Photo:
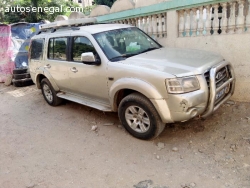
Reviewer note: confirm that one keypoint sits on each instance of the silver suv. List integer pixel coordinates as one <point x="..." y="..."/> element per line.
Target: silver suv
<point x="115" y="67"/>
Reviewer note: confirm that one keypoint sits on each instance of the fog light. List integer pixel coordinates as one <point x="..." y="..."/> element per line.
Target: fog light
<point x="227" y="89"/>
<point x="193" y="112"/>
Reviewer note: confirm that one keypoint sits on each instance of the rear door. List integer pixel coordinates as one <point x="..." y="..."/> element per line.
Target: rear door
<point x="36" y="56"/>
<point x="57" y="63"/>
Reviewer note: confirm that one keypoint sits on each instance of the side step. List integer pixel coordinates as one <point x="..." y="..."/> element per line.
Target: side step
<point x="85" y="101"/>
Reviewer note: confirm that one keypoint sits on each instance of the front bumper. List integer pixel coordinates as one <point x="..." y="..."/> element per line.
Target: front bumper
<point x="182" y="107"/>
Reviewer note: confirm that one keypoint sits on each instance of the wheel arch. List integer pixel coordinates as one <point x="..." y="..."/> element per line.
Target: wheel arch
<point x="123" y="87"/>
<point x="39" y="78"/>
<point x="43" y="75"/>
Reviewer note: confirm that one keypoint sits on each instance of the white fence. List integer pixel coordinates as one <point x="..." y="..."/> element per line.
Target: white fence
<point x="221" y="18"/>
<point x="155" y="25"/>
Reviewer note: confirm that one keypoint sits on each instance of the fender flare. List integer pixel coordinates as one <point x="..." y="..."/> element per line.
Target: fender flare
<point x="135" y="84"/>
<point x="44" y="72"/>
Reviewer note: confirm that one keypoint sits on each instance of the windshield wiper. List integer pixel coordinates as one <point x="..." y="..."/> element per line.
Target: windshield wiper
<point x="149" y="49"/>
<point x="122" y="56"/>
<point x="116" y="57"/>
<point x="129" y="55"/>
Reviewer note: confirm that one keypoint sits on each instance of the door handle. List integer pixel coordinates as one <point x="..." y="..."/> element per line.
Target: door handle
<point x="74" y="70"/>
<point x="47" y="66"/>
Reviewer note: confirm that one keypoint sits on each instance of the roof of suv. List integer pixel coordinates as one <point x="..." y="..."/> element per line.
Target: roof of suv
<point x="98" y="28"/>
<point x="92" y="29"/>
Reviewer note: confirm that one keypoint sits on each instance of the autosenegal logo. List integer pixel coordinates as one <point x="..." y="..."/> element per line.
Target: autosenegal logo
<point x="50" y="10"/>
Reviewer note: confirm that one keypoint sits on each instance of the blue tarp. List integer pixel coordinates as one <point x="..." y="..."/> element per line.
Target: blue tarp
<point x="21" y="34"/>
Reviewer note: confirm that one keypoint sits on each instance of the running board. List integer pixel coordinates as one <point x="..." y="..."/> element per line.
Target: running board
<point x="85" y="101"/>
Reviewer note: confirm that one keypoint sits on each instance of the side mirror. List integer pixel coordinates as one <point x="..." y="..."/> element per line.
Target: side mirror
<point x="90" y="59"/>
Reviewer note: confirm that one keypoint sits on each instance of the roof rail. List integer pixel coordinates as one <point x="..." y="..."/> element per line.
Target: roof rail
<point x="63" y="23"/>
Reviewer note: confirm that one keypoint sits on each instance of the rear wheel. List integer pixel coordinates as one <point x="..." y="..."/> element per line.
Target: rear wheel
<point x="139" y="117"/>
<point x="49" y="93"/>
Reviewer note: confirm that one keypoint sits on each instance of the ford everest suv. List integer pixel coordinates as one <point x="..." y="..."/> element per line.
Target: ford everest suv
<point x="119" y="68"/>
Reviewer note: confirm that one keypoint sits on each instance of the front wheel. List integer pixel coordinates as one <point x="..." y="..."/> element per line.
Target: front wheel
<point x="139" y="117"/>
<point x="49" y="93"/>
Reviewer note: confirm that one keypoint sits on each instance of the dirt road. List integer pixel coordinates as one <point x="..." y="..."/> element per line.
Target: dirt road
<point x="54" y="147"/>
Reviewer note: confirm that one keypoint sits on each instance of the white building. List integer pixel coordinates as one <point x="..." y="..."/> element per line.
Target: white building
<point x="83" y="3"/>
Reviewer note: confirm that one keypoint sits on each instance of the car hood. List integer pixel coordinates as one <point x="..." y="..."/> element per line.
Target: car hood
<point x="175" y="61"/>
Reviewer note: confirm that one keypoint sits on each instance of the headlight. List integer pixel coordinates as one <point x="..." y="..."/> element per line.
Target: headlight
<point x="182" y="85"/>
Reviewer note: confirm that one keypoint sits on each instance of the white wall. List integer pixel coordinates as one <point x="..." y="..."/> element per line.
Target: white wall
<point x="233" y="47"/>
<point x="86" y="3"/>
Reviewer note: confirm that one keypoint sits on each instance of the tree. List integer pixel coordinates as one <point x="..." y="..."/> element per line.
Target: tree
<point x="105" y="2"/>
<point x="3" y="4"/>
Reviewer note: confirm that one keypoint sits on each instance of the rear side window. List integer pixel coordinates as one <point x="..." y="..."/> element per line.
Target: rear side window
<point x="58" y="48"/>
<point x="36" y="49"/>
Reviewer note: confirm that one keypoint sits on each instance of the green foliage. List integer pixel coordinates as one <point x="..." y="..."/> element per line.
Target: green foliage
<point x="80" y="48"/>
<point x="87" y="10"/>
<point x="3" y="3"/>
<point x="36" y="10"/>
<point x="105" y="2"/>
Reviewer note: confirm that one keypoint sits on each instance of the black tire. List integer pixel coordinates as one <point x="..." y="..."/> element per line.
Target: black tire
<point x="21" y="76"/>
<point x="22" y="82"/>
<point x="49" y="93"/>
<point x="20" y="70"/>
<point x="139" y="103"/>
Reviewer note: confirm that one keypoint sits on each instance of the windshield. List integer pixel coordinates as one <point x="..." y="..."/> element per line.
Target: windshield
<point x="120" y="44"/>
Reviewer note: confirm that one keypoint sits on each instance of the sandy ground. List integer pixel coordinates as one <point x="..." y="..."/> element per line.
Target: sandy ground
<point x="54" y="147"/>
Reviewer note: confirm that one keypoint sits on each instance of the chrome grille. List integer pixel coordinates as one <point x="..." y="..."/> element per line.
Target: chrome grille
<point x="207" y="77"/>
<point x="222" y="76"/>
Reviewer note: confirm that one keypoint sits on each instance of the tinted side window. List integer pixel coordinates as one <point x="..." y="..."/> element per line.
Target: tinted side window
<point x="81" y="45"/>
<point x="36" y="49"/>
<point x="57" y="48"/>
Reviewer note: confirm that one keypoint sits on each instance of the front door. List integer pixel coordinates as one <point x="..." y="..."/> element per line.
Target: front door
<point x="88" y="81"/>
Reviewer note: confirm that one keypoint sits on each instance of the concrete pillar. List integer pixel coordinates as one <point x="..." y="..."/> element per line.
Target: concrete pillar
<point x="187" y="23"/>
<point x="248" y="18"/>
<point x="194" y="22"/>
<point x="172" y="28"/>
<point x="231" y="20"/>
<point x="240" y="19"/>
<point x="181" y="23"/>
<point x="208" y="20"/>
<point x="200" y="22"/>
<point x="216" y="21"/>
<point x="224" y="19"/>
